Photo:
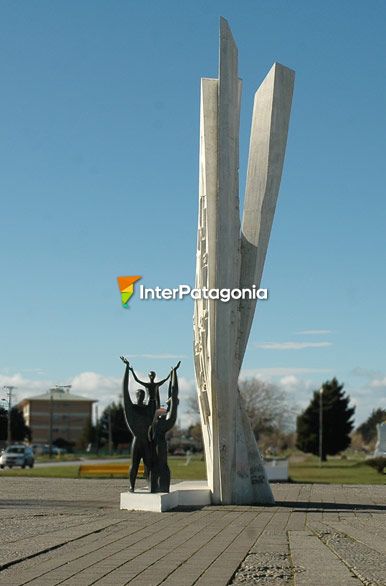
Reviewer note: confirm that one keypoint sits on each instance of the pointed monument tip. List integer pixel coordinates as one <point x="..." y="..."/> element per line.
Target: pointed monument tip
<point x="225" y="29"/>
<point x="277" y="65"/>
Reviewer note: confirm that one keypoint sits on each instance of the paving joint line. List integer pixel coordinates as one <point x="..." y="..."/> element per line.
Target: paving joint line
<point x="195" y="552"/>
<point x="228" y="546"/>
<point x="95" y="550"/>
<point x="141" y="553"/>
<point x="351" y="568"/>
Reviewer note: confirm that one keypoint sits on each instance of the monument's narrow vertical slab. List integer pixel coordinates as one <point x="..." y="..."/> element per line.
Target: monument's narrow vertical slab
<point x="226" y="316"/>
<point x="204" y="334"/>
<point x="270" y="120"/>
<point x="234" y="466"/>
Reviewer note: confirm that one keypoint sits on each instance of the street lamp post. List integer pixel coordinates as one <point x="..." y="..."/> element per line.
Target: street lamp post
<point x="97" y="429"/>
<point x="9" y="390"/>
<point x="51" y="420"/>
<point x="320" y="426"/>
<point x="110" y="432"/>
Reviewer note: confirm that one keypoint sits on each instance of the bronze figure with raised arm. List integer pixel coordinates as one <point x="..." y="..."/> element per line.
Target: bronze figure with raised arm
<point x="162" y="423"/>
<point x="139" y="416"/>
<point x="152" y="385"/>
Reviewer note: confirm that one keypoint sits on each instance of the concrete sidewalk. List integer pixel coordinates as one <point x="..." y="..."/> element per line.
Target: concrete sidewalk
<point x="71" y="532"/>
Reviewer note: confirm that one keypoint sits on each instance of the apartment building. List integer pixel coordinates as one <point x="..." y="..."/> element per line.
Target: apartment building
<point x="65" y="413"/>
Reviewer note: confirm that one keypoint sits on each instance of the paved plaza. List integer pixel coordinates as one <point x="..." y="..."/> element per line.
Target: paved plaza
<point x="71" y="532"/>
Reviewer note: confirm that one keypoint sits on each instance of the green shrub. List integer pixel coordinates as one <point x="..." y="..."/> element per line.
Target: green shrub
<point x="378" y="463"/>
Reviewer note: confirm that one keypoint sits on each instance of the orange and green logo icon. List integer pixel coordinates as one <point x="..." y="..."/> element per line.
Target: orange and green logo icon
<point x="126" y="287"/>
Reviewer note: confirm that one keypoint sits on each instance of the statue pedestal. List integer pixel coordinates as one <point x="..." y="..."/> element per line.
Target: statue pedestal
<point x="184" y="494"/>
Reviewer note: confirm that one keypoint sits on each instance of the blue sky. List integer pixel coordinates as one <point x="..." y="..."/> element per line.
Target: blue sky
<point x="99" y="149"/>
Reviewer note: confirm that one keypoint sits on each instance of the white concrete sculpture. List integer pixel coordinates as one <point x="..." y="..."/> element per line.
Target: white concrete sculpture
<point x="380" y="448"/>
<point x="230" y="258"/>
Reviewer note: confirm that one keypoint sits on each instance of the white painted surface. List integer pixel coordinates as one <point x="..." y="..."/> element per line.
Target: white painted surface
<point x="276" y="469"/>
<point x="192" y="493"/>
<point x="380" y="448"/>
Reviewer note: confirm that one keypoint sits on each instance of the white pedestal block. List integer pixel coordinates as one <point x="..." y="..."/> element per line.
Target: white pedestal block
<point x="189" y="493"/>
<point x="276" y="469"/>
<point x="380" y="448"/>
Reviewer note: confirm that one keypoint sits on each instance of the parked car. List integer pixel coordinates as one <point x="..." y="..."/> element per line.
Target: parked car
<point x="45" y="450"/>
<point x="17" y="455"/>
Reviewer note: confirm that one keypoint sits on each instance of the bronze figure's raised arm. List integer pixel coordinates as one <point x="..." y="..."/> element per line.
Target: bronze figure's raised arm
<point x="162" y="423"/>
<point x="139" y="417"/>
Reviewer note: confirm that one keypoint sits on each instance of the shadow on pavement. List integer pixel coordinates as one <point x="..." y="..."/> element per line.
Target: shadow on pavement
<point x="299" y="506"/>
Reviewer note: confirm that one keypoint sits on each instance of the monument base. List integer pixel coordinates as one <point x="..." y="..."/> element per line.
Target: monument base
<point x="184" y="494"/>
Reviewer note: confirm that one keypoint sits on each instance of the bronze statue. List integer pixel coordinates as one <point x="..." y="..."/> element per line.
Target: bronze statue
<point x="148" y="425"/>
<point x="139" y="417"/>
<point x="162" y="423"/>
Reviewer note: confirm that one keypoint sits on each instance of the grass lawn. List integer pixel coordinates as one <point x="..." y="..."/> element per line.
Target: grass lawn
<point x="195" y="470"/>
<point x="47" y="472"/>
<point x="335" y="471"/>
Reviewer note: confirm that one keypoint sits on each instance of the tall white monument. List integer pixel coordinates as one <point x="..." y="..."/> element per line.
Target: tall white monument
<point x="230" y="257"/>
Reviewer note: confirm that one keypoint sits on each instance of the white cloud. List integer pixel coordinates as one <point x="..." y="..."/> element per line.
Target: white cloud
<point x="89" y="382"/>
<point x="291" y="345"/>
<point x="281" y="371"/>
<point x="365" y="373"/>
<point x="290" y="382"/>
<point x="379" y="383"/>
<point x="314" y="332"/>
<point x="21" y="383"/>
<point x="158" y="356"/>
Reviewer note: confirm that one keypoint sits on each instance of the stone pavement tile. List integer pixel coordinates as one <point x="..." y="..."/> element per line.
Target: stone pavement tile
<point x="276" y="526"/>
<point x="91" y="549"/>
<point x="277" y="522"/>
<point x="269" y="542"/>
<point x="361" y="534"/>
<point x="366" y="562"/>
<point x="248" y="523"/>
<point x="296" y="521"/>
<point x="315" y="564"/>
<point x="314" y="516"/>
<point x="327" y="515"/>
<point x="47" y="492"/>
<point x="23" y="548"/>
<point x="267" y="563"/>
<point x="15" y="527"/>
<point x="175" y="550"/>
<point x="149" y="548"/>
<point x="265" y="569"/>
<point x="226" y="564"/>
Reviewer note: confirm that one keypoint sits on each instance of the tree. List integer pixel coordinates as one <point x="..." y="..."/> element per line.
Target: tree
<point x="193" y="409"/>
<point x="195" y="432"/>
<point x="267" y="407"/>
<point x="337" y="421"/>
<point x="368" y="429"/>
<point x="269" y="411"/>
<point x="88" y="434"/>
<point x="19" y="430"/>
<point x="120" y="433"/>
